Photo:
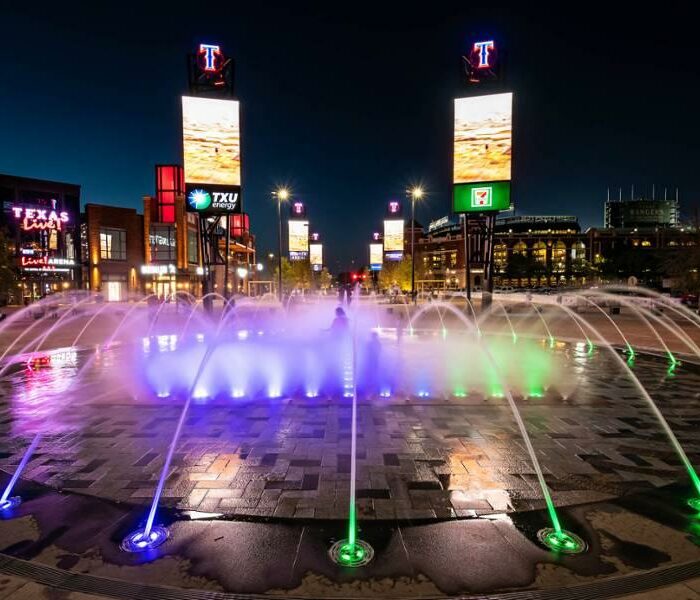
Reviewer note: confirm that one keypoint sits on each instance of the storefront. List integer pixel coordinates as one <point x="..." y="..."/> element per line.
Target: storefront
<point x="41" y="220"/>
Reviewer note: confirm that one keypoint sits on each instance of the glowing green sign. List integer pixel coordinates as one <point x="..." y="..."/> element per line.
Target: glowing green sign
<point x="481" y="197"/>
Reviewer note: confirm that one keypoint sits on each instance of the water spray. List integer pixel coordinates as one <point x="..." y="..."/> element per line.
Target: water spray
<point x="152" y="536"/>
<point x="352" y="552"/>
<point x="8" y="502"/>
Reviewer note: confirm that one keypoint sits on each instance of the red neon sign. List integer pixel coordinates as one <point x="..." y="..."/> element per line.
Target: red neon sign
<point x="35" y="261"/>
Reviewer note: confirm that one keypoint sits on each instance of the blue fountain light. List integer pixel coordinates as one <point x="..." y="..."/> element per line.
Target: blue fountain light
<point x="8" y="502"/>
<point x="140" y="541"/>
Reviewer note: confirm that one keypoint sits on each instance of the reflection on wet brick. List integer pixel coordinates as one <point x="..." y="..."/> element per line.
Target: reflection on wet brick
<point x="439" y="457"/>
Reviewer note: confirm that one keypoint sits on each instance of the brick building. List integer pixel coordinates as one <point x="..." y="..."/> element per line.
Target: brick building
<point x="112" y="239"/>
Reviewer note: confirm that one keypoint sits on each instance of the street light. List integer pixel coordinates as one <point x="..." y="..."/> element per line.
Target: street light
<point x="281" y="194"/>
<point x="416" y="193"/>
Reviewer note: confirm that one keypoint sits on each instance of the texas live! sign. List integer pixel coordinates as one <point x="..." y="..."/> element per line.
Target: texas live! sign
<point x="213" y="199"/>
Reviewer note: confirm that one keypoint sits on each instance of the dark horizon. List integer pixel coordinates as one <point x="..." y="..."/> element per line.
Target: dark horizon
<point x="349" y="110"/>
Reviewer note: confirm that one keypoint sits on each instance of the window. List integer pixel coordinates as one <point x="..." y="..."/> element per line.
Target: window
<point x="112" y="244"/>
<point x="192" y="247"/>
<point x="162" y="240"/>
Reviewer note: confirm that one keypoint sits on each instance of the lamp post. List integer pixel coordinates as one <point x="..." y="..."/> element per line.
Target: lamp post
<point x="416" y="194"/>
<point x="281" y="194"/>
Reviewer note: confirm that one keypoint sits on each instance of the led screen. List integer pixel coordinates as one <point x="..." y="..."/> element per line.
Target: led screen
<point x="376" y="255"/>
<point x="393" y="235"/>
<point x="316" y="255"/>
<point x="298" y="236"/>
<point x="483" y="138"/>
<point x="211" y="141"/>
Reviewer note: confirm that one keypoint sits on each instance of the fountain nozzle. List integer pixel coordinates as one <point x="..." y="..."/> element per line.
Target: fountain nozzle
<point x="10" y="503"/>
<point x="140" y="541"/>
<point x="561" y="541"/>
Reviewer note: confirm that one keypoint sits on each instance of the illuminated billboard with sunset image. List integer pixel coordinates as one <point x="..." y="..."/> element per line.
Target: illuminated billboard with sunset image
<point x="211" y="141"/>
<point x="483" y="138"/>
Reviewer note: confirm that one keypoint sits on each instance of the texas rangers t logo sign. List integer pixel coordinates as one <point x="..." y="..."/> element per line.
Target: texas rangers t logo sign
<point x="483" y="50"/>
<point x="210" y="54"/>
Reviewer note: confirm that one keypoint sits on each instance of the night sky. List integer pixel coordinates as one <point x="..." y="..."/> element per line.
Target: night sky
<point x="348" y="108"/>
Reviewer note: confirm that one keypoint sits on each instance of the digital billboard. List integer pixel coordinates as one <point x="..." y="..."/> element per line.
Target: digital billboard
<point x="316" y="256"/>
<point x="376" y="256"/>
<point x="298" y="240"/>
<point x="483" y="128"/>
<point x="481" y="197"/>
<point x="393" y="235"/>
<point x="211" y="141"/>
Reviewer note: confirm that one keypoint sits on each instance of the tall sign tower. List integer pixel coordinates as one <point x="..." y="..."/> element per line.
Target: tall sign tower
<point x="483" y="135"/>
<point x="212" y="157"/>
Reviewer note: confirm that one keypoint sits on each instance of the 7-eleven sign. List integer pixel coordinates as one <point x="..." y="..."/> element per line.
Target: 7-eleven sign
<point x="482" y="197"/>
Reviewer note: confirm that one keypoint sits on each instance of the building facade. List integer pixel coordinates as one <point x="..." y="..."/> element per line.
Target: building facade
<point x="172" y="246"/>
<point x="549" y="250"/>
<point x="41" y="221"/>
<point x="113" y="251"/>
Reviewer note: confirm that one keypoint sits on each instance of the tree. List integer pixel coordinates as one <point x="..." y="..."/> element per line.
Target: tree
<point x="399" y="272"/>
<point x="523" y="266"/>
<point x="8" y="273"/>
<point x="295" y="274"/>
<point x="583" y="269"/>
<point x="683" y="266"/>
<point x="624" y="261"/>
<point x="325" y="279"/>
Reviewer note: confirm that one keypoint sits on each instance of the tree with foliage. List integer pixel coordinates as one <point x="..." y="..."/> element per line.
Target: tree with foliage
<point x="583" y="269"/>
<point x="325" y="279"/>
<point x="399" y="272"/>
<point x="523" y="266"/>
<point x="625" y="261"/>
<point x="682" y="264"/>
<point x="295" y="275"/>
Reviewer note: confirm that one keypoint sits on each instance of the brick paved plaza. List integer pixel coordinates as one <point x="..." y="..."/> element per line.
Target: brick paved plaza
<point x="435" y="474"/>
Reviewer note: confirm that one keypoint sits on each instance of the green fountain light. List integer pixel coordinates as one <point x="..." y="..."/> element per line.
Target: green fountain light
<point x="694" y="503"/>
<point x="561" y="541"/>
<point x="672" y="365"/>
<point x="352" y="555"/>
<point x="591" y="347"/>
<point x="551" y="341"/>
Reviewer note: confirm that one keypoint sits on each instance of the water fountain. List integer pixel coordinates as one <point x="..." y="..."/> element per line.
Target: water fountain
<point x="262" y="352"/>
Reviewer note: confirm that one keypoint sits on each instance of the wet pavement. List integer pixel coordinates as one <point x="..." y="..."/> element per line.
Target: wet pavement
<point x="258" y="490"/>
<point x="76" y="534"/>
<point x="418" y="458"/>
